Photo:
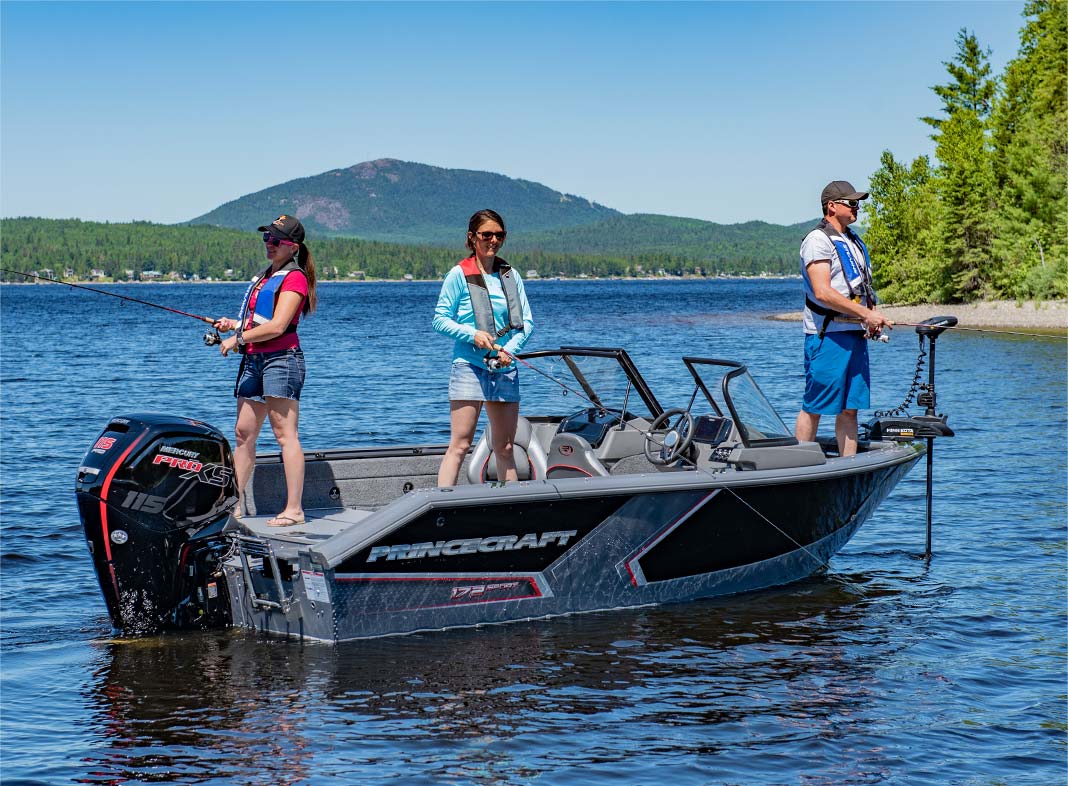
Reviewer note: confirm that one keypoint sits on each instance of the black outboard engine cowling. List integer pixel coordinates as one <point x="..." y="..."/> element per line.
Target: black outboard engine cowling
<point x="155" y="494"/>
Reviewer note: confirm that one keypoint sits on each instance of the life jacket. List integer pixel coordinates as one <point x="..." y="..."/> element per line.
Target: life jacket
<point x="267" y="297"/>
<point x="480" y="299"/>
<point x="857" y="275"/>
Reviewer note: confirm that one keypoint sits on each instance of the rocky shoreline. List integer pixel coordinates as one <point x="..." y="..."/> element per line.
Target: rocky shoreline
<point x="1048" y="316"/>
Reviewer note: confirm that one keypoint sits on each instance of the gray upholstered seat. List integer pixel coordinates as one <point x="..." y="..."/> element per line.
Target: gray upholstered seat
<point x="570" y="456"/>
<point x="530" y="460"/>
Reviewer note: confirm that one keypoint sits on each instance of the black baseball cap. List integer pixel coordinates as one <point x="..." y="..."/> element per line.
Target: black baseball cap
<point x="285" y="228"/>
<point x="841" y="189"/>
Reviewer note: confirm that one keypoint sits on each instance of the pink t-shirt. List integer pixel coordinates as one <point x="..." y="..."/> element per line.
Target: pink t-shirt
<point x="294" y="282"/>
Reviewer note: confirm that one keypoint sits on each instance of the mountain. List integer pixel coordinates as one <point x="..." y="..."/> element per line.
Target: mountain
<point x="404" y="202"/>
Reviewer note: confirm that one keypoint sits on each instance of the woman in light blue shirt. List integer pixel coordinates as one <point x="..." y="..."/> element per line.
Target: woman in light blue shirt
<point x="484" y="309"/>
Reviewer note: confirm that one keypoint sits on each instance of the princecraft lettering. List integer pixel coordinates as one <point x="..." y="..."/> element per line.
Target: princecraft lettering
<point x="451" y="548"/>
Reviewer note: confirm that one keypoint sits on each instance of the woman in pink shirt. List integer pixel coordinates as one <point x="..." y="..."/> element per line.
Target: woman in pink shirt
<point x="272" y="370"/>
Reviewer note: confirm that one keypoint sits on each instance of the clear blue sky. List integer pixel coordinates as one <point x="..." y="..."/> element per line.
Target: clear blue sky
<point x="721" y="111"/>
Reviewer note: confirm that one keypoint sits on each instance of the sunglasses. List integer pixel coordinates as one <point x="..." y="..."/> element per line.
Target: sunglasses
<point x="848" y="202"/>
<point x="487" y="236"/>
<point x="271" y="240"/>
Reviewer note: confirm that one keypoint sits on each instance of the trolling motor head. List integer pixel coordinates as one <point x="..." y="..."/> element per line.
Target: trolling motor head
<point x="898" y="425"/>
<point x="933" y="327"/>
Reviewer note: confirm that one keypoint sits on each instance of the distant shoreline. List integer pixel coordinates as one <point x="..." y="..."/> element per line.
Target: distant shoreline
<point x="1048" y="316"/>
<point x="91" y="282"/>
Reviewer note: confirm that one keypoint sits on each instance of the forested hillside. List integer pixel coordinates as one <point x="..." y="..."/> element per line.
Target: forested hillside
<point x="757" y="243"/>
<point x="988" y="217"/>
<point x="137" y="251"/>
<point x="405" y="202"/>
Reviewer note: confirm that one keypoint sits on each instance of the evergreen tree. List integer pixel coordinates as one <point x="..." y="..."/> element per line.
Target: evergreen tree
<point x="1030" y="136"/>
<point x="964" y="179"/>
<point x="901" y="221"/>
<point x="971" y="89"/>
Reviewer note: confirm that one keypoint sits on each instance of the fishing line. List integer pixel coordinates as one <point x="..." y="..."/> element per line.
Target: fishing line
<point x="37" y="277"/>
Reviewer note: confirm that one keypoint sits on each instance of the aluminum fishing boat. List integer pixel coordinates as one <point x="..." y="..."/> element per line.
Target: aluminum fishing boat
<point x="621" y="502"/>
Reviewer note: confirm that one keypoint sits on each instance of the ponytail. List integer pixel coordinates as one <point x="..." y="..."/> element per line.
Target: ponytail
<point x="307" y="264"/>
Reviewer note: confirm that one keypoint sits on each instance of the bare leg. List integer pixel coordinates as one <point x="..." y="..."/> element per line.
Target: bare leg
<point x="463" y="418"/>
<point x="285" y="415"/>
<point x="807" y="425"/>
<point x="845" y="430"/>
<point x="250" y="415"/>
<point x="503" y="418"/>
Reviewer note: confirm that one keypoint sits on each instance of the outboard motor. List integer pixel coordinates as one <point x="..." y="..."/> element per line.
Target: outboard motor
<point x="155" y="494"/>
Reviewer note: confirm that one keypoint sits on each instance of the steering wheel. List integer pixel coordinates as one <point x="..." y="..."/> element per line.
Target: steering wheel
<point x="675" y="441"/>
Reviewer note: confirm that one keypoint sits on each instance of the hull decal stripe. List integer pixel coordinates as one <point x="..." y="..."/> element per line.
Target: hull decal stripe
<point x="104" y="511"/>
<point x="637" y="577"/>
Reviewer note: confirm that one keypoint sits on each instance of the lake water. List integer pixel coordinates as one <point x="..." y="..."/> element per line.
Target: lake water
<point x="886" y="670"/>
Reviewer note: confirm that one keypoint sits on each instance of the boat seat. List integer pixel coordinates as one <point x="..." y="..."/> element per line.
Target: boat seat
<point x="529" y="455"/>
<point x="570" y="456"/>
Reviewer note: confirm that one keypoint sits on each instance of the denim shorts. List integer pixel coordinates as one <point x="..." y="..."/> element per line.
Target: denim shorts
<point x="471" y="383"/>
<point x="837" y="376"/>
<point x="276" y="374"/>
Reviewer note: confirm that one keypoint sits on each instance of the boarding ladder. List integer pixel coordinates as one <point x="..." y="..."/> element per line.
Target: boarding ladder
<point x="254" y="547"/>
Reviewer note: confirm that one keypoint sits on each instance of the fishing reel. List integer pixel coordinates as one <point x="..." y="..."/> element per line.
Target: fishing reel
<point x="212" y="338"/>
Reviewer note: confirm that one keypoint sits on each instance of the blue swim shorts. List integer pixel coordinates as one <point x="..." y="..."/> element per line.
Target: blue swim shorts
<point x="836" y="373"/>
<point x="471" y="383"/>
<point x="276" y="374"/>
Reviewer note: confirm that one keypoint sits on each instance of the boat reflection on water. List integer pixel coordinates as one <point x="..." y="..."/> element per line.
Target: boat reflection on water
<point x="181" y="708"/>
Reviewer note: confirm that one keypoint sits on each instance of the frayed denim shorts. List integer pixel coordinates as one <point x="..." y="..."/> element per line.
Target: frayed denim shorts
<point x="275" y="374"/>
<point x="471" y="383"/>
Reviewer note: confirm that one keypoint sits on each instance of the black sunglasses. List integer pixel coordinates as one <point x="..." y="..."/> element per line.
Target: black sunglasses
<point x="271" y="240"/>
<point x="849" y="202"/>
<point x="489" y="235"/>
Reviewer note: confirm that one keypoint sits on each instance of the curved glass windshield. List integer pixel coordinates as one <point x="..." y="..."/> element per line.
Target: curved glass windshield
<point x="731" y="390"/>
<point x="758" y="419"/>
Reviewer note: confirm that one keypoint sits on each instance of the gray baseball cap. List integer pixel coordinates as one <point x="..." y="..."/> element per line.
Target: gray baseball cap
<point x="841" y="189"/>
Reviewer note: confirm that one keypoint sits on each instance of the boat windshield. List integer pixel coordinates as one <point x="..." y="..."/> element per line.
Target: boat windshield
<point x="734" y="393"/>
<point x="574" y="378"/>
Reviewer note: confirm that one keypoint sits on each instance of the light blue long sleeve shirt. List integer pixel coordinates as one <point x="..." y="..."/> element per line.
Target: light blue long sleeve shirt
<point x="454" y="317"/>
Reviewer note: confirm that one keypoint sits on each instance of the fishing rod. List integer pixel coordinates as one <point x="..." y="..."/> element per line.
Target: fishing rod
<point x="893" y="322"/>
<point x="209" y="338"/>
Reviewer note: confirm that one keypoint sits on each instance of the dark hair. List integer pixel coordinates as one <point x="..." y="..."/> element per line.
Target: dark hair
<point x="480" y="218"/>
<point x="307" y="264"/>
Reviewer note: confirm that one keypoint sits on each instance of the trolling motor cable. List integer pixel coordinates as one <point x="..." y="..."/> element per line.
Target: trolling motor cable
<point x="210" y="338"/>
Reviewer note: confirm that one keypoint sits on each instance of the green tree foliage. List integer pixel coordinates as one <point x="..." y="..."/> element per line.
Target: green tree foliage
<point x="990" y="217"/>
<point x="80" y="247"/>
<point x="902" y="222"/>
<point x="972" y="89"/>
<point x="1030" y="132"/>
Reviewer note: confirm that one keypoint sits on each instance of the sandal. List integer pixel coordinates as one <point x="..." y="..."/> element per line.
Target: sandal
<point x="284" y="521"/>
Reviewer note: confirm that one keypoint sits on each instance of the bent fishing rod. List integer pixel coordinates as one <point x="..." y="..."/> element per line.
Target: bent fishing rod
<point x="209" y="338"/>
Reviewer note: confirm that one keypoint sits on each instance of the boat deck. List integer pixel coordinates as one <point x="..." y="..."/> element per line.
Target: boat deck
<point x="318" y="525"/>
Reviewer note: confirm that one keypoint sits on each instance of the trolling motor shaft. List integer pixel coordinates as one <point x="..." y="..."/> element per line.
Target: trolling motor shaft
<point x="930" y="425"/>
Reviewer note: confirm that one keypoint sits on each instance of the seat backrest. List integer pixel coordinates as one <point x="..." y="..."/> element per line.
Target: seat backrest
<point x="570" y="456"/>
<point x="530" y="459"/>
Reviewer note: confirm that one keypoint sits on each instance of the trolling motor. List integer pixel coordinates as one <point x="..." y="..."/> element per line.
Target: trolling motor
<point x="897" y="425"/>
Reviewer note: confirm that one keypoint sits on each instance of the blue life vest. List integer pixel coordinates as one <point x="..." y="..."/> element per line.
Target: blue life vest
<point x="857" y="274"/>
<point x="267" y="297"/>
